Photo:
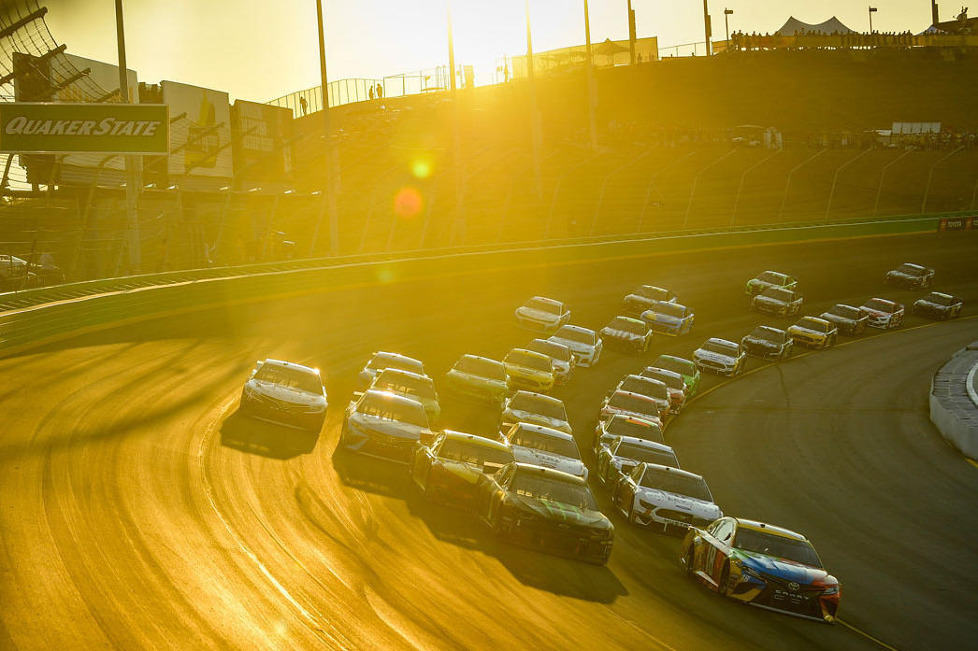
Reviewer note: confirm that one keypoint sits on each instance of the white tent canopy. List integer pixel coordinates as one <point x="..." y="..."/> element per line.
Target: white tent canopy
<point x="831" y="26"/>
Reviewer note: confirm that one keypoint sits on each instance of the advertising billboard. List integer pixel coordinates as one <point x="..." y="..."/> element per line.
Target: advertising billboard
<point x="200" y="140"/>
<point x="262" y="141"/>
<point x="27" y="127"/>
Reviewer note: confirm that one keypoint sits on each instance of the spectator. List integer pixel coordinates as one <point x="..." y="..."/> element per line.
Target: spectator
<point x="380" y="90"/>
<point x="371" y="92"/>
<point x="303" y="105"/>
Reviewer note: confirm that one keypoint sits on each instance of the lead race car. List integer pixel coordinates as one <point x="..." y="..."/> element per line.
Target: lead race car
<point x="762" y="565"/>
<point x="285" y="393"/>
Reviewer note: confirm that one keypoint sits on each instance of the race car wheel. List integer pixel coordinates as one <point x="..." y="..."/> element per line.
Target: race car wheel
<point x="724" y="587"/>
<point x="689" y="562"/>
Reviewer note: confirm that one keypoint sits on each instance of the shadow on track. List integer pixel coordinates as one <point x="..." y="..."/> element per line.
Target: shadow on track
<point x="265" y="439"/>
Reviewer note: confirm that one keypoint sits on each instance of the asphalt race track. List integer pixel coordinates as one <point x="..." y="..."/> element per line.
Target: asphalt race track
<point x="138" y="510"/>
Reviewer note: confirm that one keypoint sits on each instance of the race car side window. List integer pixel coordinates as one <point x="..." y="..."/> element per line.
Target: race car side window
<point x="724" y="531"/>
<point x="637" y="473"/>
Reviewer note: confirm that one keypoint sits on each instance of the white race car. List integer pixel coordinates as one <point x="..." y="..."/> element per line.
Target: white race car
<point x="720" y="356"/>
<point x="285" y="393"/>
<point x="536" y="408"/>
<point x="658" y="496"/>
<point x="883" y="313"/>
<point x="381" y="360"/>
<point x="542" y="314"/>
<point x="616" y="460"/>
<point x="560" y="357"/>
<point x="585" y="345"/>
<point x="547" y="447"/>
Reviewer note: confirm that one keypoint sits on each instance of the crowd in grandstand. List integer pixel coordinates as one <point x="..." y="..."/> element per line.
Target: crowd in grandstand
<point x="755" y="41"/>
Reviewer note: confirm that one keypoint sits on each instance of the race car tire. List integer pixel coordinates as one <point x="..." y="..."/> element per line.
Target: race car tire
<point x="689" y="562"/>
<point x="723" y="587"/>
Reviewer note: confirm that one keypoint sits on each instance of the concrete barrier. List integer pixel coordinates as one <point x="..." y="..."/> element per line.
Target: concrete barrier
<point x="954" y="401"/>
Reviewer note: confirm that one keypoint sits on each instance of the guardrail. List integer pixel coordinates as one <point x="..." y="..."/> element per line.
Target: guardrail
<point x="953" y="403"/>
<point x="34" y="317"/>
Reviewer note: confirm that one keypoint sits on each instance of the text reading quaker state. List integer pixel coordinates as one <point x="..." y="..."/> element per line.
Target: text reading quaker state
<point x="106" y="127"/>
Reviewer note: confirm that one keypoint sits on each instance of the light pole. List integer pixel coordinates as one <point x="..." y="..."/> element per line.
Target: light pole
<point x="872" y="10"/>
<point x="536" y="136"/>
<point x="133" y="183"/>
<point x="726" y="24"/>
<point x="332" y="164"/>
<point x="632" y="33"/>
<point x="592" y="91"/>
<point x="707" y="28"/>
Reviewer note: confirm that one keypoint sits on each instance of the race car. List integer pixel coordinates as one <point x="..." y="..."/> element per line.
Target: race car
<point x="631" y="404"/>
<point x="685" y="367"/>
<point x="627" y="333"/>
<point x="720" y="356"/>
<point x="542" y="314"/>
<point x="883" y="313"/>
<point x="585" y="345"/>
<point x="910" y="276"/>
<point x="848" y="319"/>
<point x="285" y="393"/>
<point x="767" y="279"/>
<point x="545" y="509"/>
<point x="648" y="387"/>
<point x="813" y="332"/>
<point x="536" y="408"/>
<point x="777" y="301"/>
<point x="762" y="565"/>
<point x="668" y="499"/>
<point x="478" y="378"/>
<point x="448" y="469"/>
<point x="412" y="385"/>
<point x="766" y="342"/>
<point x="616" y="460"/>
<point x="381" y="360"/>
<point x="547" y="447"/>
<point x="384" y="425"/>
<point x="669" y="318"/>
<point x="526" y="369"/>
<point x="675" y="386"/>
<point x="560" y="356"/>
<point x="938" y="305"/>
<point x="621" y="425"/>
<point x="643" y="297"/>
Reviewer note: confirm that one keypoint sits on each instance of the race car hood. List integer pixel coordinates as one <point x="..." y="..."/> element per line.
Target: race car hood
<point x="615" y="333"/>
<point x="760" y="342"/>
<point x="393" y="428"/>
<point x="658" y="317"/>
<point x="285" y="394"/>
<point x="466" y="472"/>
<point x="697" y="508"/>
<point x="550" y="460"/>
<point x="576" y="346"/>
<point x="780" y="568"/>
<point x="537" y="315"/>
<point x="608" y="411"/>
<point x="715" y="357"/>
<point x="563" y="513"/>
<point x="517" y="415"/>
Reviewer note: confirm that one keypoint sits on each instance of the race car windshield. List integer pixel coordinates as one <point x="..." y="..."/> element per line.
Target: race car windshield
<point x="292" y="378"/>
<point x="845" y="311"/>
<point x="777" y="293"/>
<point x="534" y="405"/>
<point x="646" y="455"/>
<point x="580" y="336"/>
<point x="799" y="551"/>
<point x="628" y="325"/>
<point x="419" y="389"/>
<point x="646" y="388"/>
<point x="633" y="403"/>
<point x="543" y="306"/>
<point x="767" y="335"/>
<point x="529" y="361"/>
<point x="770" y="277"/>
<point x="545" y="443"/>
<point x="879" y="305"/>
<point x="673" y="482"/>
<point x="550" y="349"/>
<point x="939" y="299"/>
<point x="482" y="368"/>
<point x="380" y="362"/>
<point x="383" y="408"/>
<point x="649" y="291"/>
<point x="550" y="489"/>
<point x="812" y="324"/>
<point x="624" y="426"/>
<point x="676" y="365"/>
<point x="720" y="349"/>
<point x="669" y="309"/>
<point x="474" y="454"/>
<point x="911" y="270"/>
<point x="671" y="381"/>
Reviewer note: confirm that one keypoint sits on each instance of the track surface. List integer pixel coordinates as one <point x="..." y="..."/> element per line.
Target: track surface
<point x="137" y="510"/>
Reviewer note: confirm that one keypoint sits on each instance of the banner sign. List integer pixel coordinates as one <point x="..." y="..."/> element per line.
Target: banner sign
<point x="98" y="128"/>
<point x="956" y="224"/>
<point x="261" y="141"/>
<point x="202" y="138"/>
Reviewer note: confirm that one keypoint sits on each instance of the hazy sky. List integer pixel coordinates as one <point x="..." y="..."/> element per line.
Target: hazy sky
<point x="262" y="50"/>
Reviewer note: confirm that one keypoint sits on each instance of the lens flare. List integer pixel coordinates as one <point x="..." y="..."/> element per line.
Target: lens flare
<point x="421" y="168"/>
<point x="408" y="203"/>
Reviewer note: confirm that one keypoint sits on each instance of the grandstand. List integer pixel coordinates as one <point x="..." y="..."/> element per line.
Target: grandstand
<point x="670" y="157"/>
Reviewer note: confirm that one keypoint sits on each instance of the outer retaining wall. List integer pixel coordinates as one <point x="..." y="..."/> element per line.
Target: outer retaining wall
<point x="954" y="400"/>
